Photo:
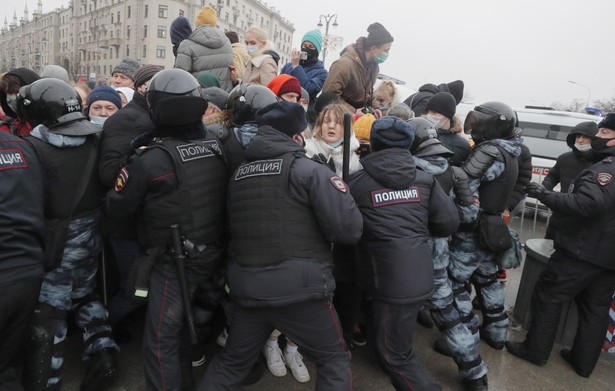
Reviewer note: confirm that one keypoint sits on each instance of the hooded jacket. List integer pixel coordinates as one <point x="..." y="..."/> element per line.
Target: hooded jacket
<point x="9" y="123"/>
<point x="402" y="207"/>
<point x="311" y="76"/>
<point x="207" y="49"/>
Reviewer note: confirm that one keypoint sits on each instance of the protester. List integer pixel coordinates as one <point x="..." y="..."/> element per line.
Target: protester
<point x="10" y="84"/>
<point x="418" y="100"/>
<point x="440" y="110"/>
<point x="123" y="74"/>
<point x="286" y="87"/>
<point x="240" y="56"/>
<point x="55" y="71"/>
<point x="126" y="94"/>
<point x="103" y="102"/>
<point x="262" y="67"/>
<point x="385" y="96"/>
<point x="180" y="30"/>
<point x="216" y="99"/>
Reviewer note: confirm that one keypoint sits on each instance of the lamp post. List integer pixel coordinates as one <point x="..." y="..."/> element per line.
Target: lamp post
<point x="327" y="19"/>
<point x="589" y="93"/>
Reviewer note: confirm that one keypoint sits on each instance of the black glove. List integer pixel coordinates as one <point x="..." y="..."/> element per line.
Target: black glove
<point x="320" y="158"/>
<point x="535" y="190"/>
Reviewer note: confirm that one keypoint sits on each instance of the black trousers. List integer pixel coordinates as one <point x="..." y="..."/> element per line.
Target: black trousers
<point x="592" y="288"/>
<point x="17" y="303"/>
<point x="312" y="325"/>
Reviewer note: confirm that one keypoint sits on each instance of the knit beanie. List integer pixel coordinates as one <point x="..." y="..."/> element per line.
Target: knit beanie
<point x="145" y="73"/>
<point x="55" y="72"/>
<point x="456" y="89"/>
<point x="128" y="67"/>
<point x="207" y="15"/>
<point x="608" y="122"/>
<point x="216" y="96"/>
<point x="232" y="36"/>
<point x="305" y="95"/>
<point x="105" y="93"/>
<point x="127" y="92"/>
<point x="315" y="37"/>
<point x="377" y="36"/>
<point x="363" y="126"/>
<point x="402" y="111"/>
<point x="208" y="79"/>
<point x="443" y="103"/>
<point x="283" y="84"/>
<point x="26" y="75"/>
<point x="285" y="117"/>
<point x="391" y="132"/>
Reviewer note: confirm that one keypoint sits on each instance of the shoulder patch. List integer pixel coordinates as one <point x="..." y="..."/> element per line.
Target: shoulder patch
<point x="259" y="168"/>
<point x="339" y="184"/>
<point x="200" y="150"/>
<point x="604" y="178"/>
<point x="385" y="197"/>
<point x="12" y="158"/>
<point x="121" y="180"/>
<point x="608" y="159"/>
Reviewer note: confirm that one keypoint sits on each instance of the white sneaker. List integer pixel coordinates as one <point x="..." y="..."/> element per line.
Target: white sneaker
<point x="294" y="360"/>
<point x="221" y="340"/>
<point x="275" y="361"/>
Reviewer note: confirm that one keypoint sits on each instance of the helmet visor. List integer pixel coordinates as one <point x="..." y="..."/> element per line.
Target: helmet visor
<point x="477" y="122"/>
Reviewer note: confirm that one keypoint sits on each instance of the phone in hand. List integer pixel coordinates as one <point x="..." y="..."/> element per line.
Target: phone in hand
<point x="303" y="56"/>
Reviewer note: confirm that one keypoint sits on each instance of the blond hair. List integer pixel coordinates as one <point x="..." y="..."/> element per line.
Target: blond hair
<point x="336" y="109"/>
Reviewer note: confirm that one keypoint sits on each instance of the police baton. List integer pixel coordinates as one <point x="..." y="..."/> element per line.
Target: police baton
<point x="346" y="147"/>
<point x="180" y="259"/>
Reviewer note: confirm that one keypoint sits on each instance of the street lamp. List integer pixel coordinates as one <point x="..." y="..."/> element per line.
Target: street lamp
<point x="589" y="93"/>
<point x="327" y="19"/>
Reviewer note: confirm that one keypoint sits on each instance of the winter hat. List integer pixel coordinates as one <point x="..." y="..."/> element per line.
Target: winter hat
<point x="207" y="15"/>
<point x="305" y="95"/>
<point x="285" y="117"/>
<point x="208" y="79"/>
<point x="216" y="96"/>
<point x="363" y="126"/>
<point x="324" y="99"/>
<point x="180" y="30"/>
<point x="55" y="72"/>
<point x="377" y="36"/>
<point x="145" y="73"/>
<point x="443" y="103"/>
<point x="232" y="36"/>
<point x="391" y="132"/>
<point x="315" y="37"/>
<point x="456" y="89"/>
<point x="127" y="91"/>
<point x="608" y="122"/>
<point x="283" y="84"/>
<point x="402" y="111"/>
<point x="25" y="75"/>
<point x="105" y="93"/>
<point x="128" y="67"/>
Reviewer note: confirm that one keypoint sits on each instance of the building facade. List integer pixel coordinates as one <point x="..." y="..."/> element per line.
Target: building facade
<point x="89" y="37"/>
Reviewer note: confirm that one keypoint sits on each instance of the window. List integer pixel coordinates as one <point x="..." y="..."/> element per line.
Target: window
<point x="145" y="31"/>
<point x="144" y="51"/>
<point x="161" y="51"/>
<point x="146" y="9"/>
<point x="128" y="12"/>
<point x="127" y="31"/>
<point x="127" y="51"/>
<point x="181" y="12"/>
<point x="118" y="16"/>
<point x="163" y="11"/>
<point x="162" y="31"/>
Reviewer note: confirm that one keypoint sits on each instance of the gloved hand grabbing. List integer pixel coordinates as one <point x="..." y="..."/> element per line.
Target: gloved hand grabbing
<point x="535" y="190"/>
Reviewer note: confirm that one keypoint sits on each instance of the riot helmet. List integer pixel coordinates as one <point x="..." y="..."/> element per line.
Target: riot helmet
<point x="491" y="120"/>
<point x="55" y="104"/>
<point x="174" y="98"/>
<point x="245" y="100"/>
<point x="426" y="141"/>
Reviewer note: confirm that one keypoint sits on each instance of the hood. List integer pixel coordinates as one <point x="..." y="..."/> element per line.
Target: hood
<point x="26" y="77"/>
<point x="180" y="30"/>
<point x="588" y="128"/>
<point x="391" y="167"/>
<point x="429" y="87"/>
<point x="434" y="165"/>
<point x="269" y="143"/>
<point x="210" y="37"/>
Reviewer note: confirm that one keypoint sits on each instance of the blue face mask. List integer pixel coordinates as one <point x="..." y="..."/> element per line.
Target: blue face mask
<point x="98" y="121"/>
<point x="381" y="58"/>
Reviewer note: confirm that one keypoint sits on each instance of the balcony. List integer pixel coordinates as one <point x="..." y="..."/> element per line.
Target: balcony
<point x="103" y="43"/>
<point x="115" y="42"/>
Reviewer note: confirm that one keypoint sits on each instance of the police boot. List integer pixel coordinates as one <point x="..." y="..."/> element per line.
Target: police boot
<point x="520" y="350"/>
<point x="101" y="368"/>
<point x="479" y="384"/>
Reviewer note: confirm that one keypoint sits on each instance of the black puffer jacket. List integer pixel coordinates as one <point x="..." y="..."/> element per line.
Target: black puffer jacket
<point x="402" y="207"/>
<point x="523" y="177"/>
<point x="457" y="144"/>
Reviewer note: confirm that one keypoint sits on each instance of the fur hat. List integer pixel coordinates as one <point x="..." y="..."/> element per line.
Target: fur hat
<point x="391" y="132"/>
<point x="283" y="84"/>
<point x="443" y="103"/>
<point x="377" y="36"/>
<point x="128" y="67"/>
<point x="216" y="96"/>
<point x="105" y="93"/>
<point x="208" y="79"/>
<point x="315" y="37"/>
<point x="207" y="15"/>
<point x="608" y="122"/>
<point x="56" y="72"/>
<point x="286" y="117"/>
<point x="145" y="73"/>
<point x="363" y="126"/>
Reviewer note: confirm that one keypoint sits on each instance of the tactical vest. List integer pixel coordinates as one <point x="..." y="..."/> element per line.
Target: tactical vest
<point x="494" y="195"/>
<point x="267" y="225"/>
<point x="198" y="203"/>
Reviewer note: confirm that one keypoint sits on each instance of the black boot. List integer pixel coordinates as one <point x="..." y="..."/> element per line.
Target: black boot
<point x="520" y="350"/>
<point x="479" y="384"/>
<point x="101" y="368"/>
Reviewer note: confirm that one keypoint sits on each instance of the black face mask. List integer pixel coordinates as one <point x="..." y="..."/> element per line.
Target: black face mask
<point x="312" y="55"/>
<point x="598" y="144"/>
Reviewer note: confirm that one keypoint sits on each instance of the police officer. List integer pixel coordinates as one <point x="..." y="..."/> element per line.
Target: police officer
<point x="285" y="210"/>
<point x="492" y="167"/>
<point x="402" y="207"/>
<point x="180" y="178"/>
<point x="67" y="145"/>
<point x="582" y="267"/>
<point x="21" y="258"/>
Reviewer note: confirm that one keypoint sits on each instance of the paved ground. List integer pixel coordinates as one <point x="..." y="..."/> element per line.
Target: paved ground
<point x="506" y="372"/>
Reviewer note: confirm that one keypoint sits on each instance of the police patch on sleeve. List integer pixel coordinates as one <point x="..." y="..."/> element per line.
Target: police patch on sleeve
<point x="12" y="158"/>
<point x="604" y="178"/>
<point x="339" y="184"/>
<point x="121" y="179"/>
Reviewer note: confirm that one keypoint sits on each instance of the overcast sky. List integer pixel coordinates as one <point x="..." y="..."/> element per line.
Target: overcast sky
<point x="522" y="52"/>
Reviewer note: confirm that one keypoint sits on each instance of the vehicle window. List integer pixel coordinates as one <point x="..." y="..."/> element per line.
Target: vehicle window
<point x="552" y="132"/>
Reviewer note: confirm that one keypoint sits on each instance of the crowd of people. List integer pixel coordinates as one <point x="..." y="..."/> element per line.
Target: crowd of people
<point x="289" y="199"/>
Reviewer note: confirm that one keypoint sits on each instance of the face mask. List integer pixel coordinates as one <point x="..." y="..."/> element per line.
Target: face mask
<point x="598" y="144"/>
<point x="384" y="107"/>
<point x="98" y="121"/>
<point x="311" y="53"/>
<point x="11" y="101"/>
<point x="583" y="147"/>
<point x="381" y="58"/>
<point x="436" y="120"/>
<point x="252" y="48"/>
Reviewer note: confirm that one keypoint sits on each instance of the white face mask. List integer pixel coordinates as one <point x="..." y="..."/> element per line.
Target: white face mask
<point x="583" y="147"/>
<point x="11" y="101"/>
<point x="436" y="120"/>
<point x="98" y="121"/>
<point x="252" y="48"/>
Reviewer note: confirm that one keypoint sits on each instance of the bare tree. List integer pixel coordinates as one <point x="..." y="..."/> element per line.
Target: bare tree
<point x="607" y="106"/>
<point x="577" y="106"/>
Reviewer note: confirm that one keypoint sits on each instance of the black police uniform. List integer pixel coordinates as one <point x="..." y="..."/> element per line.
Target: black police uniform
<point x="285" y="210"/>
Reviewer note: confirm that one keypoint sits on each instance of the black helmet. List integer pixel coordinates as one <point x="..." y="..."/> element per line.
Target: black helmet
<point x="174" y="98"/>
<point x="426" y="141"/>
<point x="491" y="120"/>
<point x="246" y="99"/>
<point x="54" y="104"/>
